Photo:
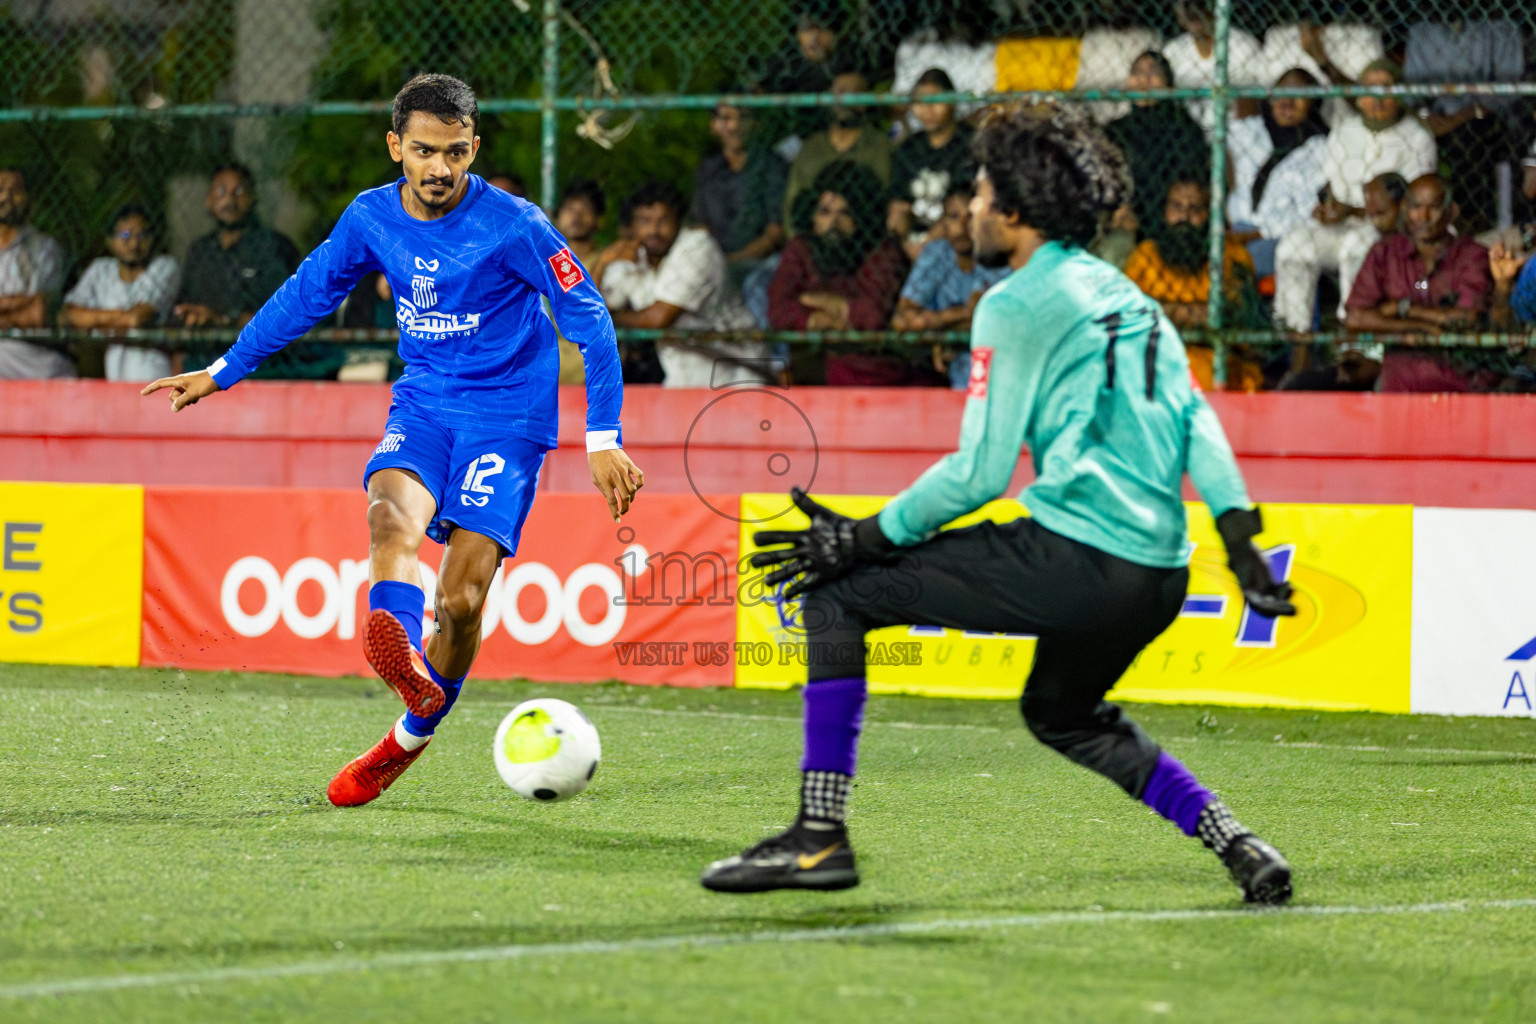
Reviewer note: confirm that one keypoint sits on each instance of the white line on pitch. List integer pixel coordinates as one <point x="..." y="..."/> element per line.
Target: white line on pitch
<point x="781" y="718"/>
<point x="1283" y="744"/>
<point x="492" y="954"/>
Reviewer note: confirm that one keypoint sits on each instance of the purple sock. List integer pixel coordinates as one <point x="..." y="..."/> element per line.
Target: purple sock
<point x="404" y="601"/>
<point x="834" y="713"/>
<point x="1175" y="793"/>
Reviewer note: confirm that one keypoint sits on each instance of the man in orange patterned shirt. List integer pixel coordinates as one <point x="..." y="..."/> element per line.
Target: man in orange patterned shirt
<point x="1172" y="265"/>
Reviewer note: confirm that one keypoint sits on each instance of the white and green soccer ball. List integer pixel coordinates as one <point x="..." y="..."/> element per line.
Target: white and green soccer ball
<point x="546" y="750"/>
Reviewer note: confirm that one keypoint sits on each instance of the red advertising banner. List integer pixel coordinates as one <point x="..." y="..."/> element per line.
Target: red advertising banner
<point x="277" y="580"/>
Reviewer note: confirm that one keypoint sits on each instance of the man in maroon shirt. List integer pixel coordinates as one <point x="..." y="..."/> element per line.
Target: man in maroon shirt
<point x="1428" y="280"/>
<point x="840" y="272"/>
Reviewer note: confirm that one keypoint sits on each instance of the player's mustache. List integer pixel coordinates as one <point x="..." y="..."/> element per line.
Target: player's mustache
<point x="447" y="182"/>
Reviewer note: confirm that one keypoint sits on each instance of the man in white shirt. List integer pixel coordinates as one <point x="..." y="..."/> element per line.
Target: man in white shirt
<point x="1377" y="140"/>
<point x="124" y="290"/>
<point x="663" y="275"/>
<point x="1193" y="58"/>
<point x="31" y="271"/>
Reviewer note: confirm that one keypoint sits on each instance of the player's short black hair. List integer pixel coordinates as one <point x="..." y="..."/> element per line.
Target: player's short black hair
<point x="443" y="96"/>
<point x="651" y="193"/>
<point x="1053" y="169"/>
<point x="234" y="167"/>
<point x="585" y="188"/>
<point x="127" y="210"/>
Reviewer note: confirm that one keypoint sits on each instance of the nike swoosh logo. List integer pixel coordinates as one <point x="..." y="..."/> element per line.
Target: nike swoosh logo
<point x="808" y="861"/>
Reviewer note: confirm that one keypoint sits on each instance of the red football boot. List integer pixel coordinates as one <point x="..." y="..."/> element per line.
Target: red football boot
<point x="389" y="651"/>
<point x="364" y="779"/>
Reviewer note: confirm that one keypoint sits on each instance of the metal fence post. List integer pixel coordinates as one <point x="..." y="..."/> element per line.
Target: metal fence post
<point x="1218" y="242"/>
<point x="548" y="117"/>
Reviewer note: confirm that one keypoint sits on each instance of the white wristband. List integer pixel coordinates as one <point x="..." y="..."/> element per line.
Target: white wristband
<point x="602" y="440"/>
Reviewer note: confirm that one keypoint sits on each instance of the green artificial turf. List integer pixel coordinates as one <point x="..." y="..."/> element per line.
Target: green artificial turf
<point x="155" y="823"/>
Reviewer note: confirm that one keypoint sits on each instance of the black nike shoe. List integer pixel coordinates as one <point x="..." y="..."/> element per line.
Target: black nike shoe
<point x="1259" y="870"/>
<point x="799" y="858"/>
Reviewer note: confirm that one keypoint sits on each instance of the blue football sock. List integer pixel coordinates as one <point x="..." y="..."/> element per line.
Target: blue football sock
<point x="404" y="601"/>
<point x="418" y="726"/>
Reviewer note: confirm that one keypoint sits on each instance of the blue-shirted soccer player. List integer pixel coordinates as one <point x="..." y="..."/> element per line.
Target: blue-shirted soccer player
<point x="474" y="412"/>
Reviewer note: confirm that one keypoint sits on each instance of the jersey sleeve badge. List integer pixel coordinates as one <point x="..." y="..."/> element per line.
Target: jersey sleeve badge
<point x="981" y="370"/>
<point x="567" y="269"/>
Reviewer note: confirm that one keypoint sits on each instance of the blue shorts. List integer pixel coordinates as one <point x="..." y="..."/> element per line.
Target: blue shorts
<point x="482" y="481"/>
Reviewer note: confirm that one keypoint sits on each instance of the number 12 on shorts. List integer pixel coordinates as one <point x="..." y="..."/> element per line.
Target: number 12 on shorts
<point x="487" y="465"/>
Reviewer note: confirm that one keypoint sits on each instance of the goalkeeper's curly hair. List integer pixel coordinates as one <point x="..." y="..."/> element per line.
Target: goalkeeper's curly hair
<point x="1054" y="169"/>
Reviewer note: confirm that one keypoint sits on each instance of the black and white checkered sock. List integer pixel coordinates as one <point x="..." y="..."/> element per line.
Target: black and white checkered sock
<point x="824" y="798"/>
<point x="1217" y="828"/>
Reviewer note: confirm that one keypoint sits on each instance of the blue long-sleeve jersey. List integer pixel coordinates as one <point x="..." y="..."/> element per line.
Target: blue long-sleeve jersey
<point x="479" y="350"/>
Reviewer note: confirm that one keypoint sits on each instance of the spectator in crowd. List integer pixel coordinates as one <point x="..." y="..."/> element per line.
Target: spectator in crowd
<point x="1514" y="273"/>
<point x="1173" y="266"/>
<point x="1277" y="169"/>
<point x="31" y="274"/>
<point x="810" y="64"/>
<point x="1514" y="288"/>
<point x="129" y="288"/>
<point x="1470" y="131"/>
<point x="510" y="183"/>
<point x="926" y="166"/>
<point x="842" y="271"/>
<point x="578" y="215"/>
<point x="738" y="193"/>
<point x="1335" y="53"/>
<point x="1161" y="144"/>
<point x="1379" y="139"/>
<point x="850" y="137"/>
<point x="946" y="282"/>
<point x="1192" y="56"/>
<point x="236" y="267"/>
<point x="1426" y="281"/>
<point x="670" y="276"/>
<point x="1356" y="364"/>
<point x="1520" y="236"/>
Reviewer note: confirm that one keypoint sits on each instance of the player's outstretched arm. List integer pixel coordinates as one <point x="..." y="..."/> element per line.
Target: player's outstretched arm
<point x="616" y="478"/>
<point x="832" y="547"/>
<point x="1264" y="594"/>
<point x="186" y="388"/>
<point x="1213" y="468"/>
<point x="1007" y="366"/>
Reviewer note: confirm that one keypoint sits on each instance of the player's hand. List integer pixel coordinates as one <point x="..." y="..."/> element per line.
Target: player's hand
<point x="186" y="388"/>
<point x="1238" y="527"/>
<point x="616" y="479"/>
<point x="832" y="547"/>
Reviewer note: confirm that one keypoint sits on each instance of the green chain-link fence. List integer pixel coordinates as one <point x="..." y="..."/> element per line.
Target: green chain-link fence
<point x="114" y="101"/>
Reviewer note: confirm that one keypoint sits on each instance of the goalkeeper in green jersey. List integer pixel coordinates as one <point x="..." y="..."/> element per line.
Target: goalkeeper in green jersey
<point x="1070" y="360"/>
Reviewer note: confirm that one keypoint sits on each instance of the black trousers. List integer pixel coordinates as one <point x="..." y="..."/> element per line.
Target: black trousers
<point x="1092" y="612"/>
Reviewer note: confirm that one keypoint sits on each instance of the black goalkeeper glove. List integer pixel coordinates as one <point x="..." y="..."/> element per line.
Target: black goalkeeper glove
<point x="1264" y="595"/>
<point x="832" y="547"/>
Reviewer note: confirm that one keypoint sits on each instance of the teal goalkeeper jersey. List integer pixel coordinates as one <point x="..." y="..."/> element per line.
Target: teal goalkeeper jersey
<point x="1073" y="361"/>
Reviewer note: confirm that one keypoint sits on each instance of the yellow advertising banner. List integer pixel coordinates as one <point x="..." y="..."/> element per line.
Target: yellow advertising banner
<point x="1346" y="648"/>
<point x="71" y="573"/>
